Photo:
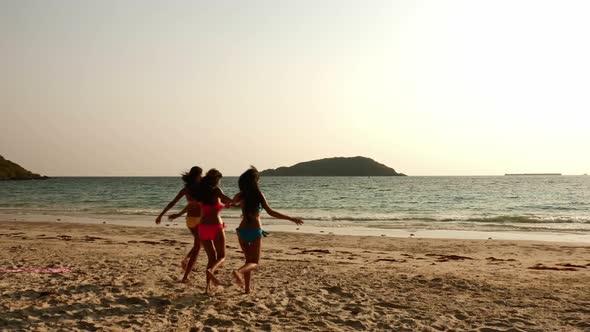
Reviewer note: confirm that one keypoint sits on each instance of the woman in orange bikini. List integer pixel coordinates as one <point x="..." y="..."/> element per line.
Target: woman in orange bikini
<point x="193" y="211"/>
<point x="250" y="230"/>
<point x="211" y="228"/>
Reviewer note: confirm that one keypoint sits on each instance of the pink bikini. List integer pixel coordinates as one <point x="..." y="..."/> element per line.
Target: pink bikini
<point x="209" y="209"/>
<point x="207" y="231"/>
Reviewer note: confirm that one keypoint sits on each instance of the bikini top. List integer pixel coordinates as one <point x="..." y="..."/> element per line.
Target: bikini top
<point x="209" y="209"/>
<point x="260" y="208"/>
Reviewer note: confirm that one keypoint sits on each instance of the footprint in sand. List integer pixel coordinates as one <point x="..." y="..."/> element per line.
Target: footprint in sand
<point x="390" y="260"/>
<point x="540" y="266"/>
<point x="337" y="290"/>
<point x="494" y="259"/>
<point x="316" y="251"/>
<point x="88" y="238"/>
<point x="149" y="242"/>
<point x="132" y="301"/>
<point x="573" y="265"/>
<point x="446" y="258"/>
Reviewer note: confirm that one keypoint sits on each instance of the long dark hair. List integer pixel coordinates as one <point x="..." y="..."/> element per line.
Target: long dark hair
<point x="190" y="181"/>
<point x="208" y="184"/>
<point x="249" y="192"/>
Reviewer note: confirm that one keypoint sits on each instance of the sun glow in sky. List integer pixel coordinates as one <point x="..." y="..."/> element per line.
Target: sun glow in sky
<point x="427" y="87"/>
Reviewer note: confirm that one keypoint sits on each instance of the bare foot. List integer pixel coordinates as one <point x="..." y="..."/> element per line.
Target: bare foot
<point x="238" y="279"/>
<point x="184" y="280"/>
<point x="212" y="277"/>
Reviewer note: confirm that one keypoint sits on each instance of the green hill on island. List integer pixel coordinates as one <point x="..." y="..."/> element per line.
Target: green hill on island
<point x="340" y="166"/>
<point x="12" y="171"/>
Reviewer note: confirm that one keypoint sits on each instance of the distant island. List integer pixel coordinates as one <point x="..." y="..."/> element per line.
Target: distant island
<point x="12" y="171"/>
<point x="532" y="174"/>
<point x="339" y="166"/>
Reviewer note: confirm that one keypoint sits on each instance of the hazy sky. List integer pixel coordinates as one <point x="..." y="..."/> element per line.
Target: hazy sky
<point x="427" y="87"/>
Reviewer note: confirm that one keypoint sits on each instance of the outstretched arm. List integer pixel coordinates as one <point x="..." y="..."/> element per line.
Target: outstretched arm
<point x="170" y="205"/>
<point x="237" y="200"/>
<point x="278" y="215"/>
<point x="224" y="199"/>
<point x="179" y="214"/>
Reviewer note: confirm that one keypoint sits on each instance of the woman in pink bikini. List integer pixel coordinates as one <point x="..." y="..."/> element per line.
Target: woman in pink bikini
<point x="193" y="211"/>
<point x="211" y="227"/>
<point x="250" y="230"/>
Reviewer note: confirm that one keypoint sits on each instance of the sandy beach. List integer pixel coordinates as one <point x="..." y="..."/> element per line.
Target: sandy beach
<point x="127" y="278"/>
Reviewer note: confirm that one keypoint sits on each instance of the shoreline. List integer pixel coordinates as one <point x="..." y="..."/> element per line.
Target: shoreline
<point x="121" y="278"/>
<point x="318" y="227"/>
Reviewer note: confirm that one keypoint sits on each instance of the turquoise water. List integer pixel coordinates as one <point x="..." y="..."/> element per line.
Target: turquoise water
<point x="534" y="203"/>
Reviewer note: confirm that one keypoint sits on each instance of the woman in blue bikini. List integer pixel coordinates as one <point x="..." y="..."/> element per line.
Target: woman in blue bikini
<point x="250" y="230"/>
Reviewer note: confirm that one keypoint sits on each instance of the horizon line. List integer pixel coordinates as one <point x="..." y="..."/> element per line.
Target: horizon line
<point x="376" y="176"/>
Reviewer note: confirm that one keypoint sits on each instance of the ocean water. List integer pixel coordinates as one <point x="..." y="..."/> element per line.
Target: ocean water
<point x="495" y="203"/>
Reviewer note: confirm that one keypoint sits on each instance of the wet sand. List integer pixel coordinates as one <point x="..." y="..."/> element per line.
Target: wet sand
<point x="127" y="278"/>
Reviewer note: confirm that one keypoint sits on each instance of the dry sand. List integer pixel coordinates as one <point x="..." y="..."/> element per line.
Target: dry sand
<point x="127" y="278"/>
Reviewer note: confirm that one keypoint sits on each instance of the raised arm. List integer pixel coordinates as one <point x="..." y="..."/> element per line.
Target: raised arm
<point x="180" y="194"/>
<point x="278" y="215"/>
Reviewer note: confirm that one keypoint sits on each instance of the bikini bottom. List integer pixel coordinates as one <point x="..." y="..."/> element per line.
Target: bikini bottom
<point x="250" y="234"/>
<point x="192" y="222"/>
<point x="209" y="232"/>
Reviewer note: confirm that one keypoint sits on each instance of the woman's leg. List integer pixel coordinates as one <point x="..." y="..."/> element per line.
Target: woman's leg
<point x="190" y="253"/>
<point x="211" y="259"/>
<point x="219" y="244"/>
<point x="238" y="279"/>
<point x="193" y="253"/>
<point x="252" y="253"/>
<point x="252" y="258"/>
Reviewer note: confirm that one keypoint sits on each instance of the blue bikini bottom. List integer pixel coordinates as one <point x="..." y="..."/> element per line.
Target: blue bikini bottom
<point x="250" y="234"/>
